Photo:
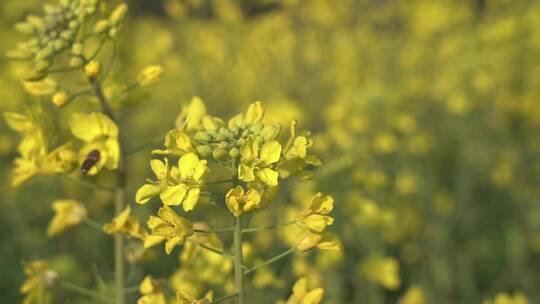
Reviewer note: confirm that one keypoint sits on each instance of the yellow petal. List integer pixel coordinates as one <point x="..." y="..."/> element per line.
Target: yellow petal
<point x="270" y="152"/>
<point x="191" y="199"/>
<point x="313" y="297"/>
<point x="254" y="113"/>
<point x="152" y="240"/>
<point x="268" y="176"/>
<point x="173" y="195"/>
<point x="321" y="204"/>
<point x="159" y="168"/>
<point x="146" y="192"/>
<point x="245" y="173"/>
<point x="46" y="86"/>
<point x="187" y="164"/>
<point x="250" y="149"/>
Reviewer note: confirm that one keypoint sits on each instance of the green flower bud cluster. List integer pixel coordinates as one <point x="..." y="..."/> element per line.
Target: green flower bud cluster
<point x="225" y="143"/>
<point x="60" y="30"/>
<point x="51" y="34"/>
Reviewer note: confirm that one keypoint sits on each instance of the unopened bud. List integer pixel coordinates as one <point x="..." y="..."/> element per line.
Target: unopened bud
<point x="150" y="75"/>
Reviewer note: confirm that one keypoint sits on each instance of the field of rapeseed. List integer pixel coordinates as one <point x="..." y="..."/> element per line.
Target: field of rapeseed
<point x="270" y="151"/>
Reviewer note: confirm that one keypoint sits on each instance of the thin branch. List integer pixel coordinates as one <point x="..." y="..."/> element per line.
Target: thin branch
<point x="85" y="291"/>
<point x="219" y="182"/>
<point x="217" y="230"/>
<point x="217" y="251"/>
<point x="271" y="260"/>
<point x="224" y="298"/>
<point x="93" y="224"/>
<point x="271" y="227"/>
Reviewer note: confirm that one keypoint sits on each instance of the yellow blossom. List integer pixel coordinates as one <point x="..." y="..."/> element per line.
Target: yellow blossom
<point x="39" y="278"/>
<point x="100" y="133"/>
<point x="176" y="143"/>
<point x="170" y="227"/>
<point x="153" y="188"/>
<point x="309" y="240"/>
<point x="186" y="180"/>
<point x="240" y="202"/>
<point x="314" y="217"/>
<point x="42" y="87"/>
<point x="302" y="295"/>
<point x="186" y="298"/>
<point x="296" y="157"/>
<point x="191" y="115"/>
<point x="92" y="69"/>
<point x="506" y="298"/>
<point x="257" y="161"/>
<point x="253" y="114"/>
<point x="60" y="98"/>
<point x="414" y="295"/>
<point x="125" y="223"/>
<point x="151" y="292"/>
<point x="34" y="156"/>
<point x="67" y="213"/>
<point x="382" y="270"/>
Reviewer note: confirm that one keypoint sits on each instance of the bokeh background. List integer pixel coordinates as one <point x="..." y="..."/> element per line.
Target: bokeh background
<point x="426" y="115"/>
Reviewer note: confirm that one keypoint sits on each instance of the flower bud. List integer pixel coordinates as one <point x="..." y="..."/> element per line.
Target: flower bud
<point x="60" y="44"/>
<point x="46" y="86"/>
<point x="150" y="75"/>
<point x="204" y="150"/>
<point x="46" y="52"/>
<point x="24" y="28"/>
<point x="118" y="15"/>
<point x="76" y="62"/>
<point x="92" y="69"/>
<point x="77" y="49"/>
<point x="42" y="65"/>
<point x="202" y="137"/>
<point x="60" y="98"/>
<point x="102" y="26"/>
<point x="219" y="154"/>
<point x="34" y="75"/>
<point x="67" y="35"/>
<point x="233" y="153"/>
<point x="19" y="54"/>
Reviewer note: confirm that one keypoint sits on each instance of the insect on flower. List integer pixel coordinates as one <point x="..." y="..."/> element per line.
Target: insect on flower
<point x="91" y="160"/>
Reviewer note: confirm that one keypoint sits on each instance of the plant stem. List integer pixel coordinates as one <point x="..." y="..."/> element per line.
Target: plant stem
<point x="93" y="224"/>
<point x="85" y="291"/>
<point x="216" y="251"/>
<point x="238" y="261"/>
<point x="120" y="198"/>
<point x="271" y="260"/>
<point x="224" y="298"/>
<point x="271" y="227"/>
<point x="217" y="230"/>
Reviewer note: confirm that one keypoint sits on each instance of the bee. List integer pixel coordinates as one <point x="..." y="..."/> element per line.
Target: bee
<point x="91" y="160"/>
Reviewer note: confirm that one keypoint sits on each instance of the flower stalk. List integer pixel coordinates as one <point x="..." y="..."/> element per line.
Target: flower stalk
<point x="120" y="194"/>
<point x="238" y="261"/>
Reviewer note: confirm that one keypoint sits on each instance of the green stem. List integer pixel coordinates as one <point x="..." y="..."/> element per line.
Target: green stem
<point x="120" y="199"/>
<point x="218" y="230"/>
<point x="238" y="261"/>
<point x="271" y="260"/>
<point x="225" y="298"/>
<point x="219" y="182"/>
<point x="93" y="224"/>
<point x="271" y="227"/>
<point x="217" y="251"/>
<point x="85" y="291"/>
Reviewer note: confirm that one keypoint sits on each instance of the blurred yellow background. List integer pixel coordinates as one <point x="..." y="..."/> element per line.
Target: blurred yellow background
<point x="426" y="115"/>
